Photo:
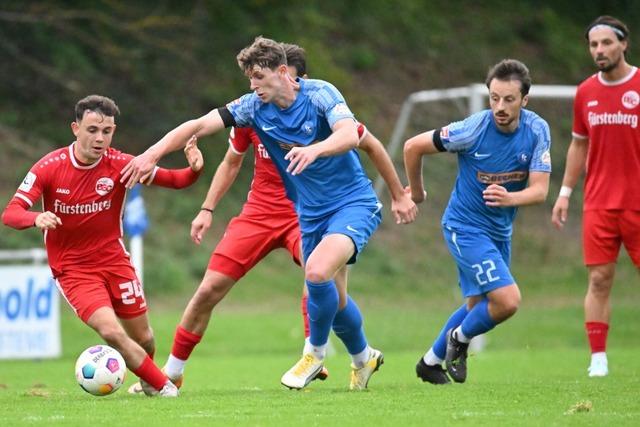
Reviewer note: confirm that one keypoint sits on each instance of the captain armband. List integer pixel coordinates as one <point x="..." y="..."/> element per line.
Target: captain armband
<point x="227" y="117"/>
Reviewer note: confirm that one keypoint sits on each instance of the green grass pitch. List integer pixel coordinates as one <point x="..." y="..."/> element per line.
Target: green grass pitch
<point x="533" y="372"/>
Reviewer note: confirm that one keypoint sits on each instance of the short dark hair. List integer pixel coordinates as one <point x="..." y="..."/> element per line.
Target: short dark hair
<point x="99" y="104"/>
<point x="511" y="69"/>
<point x="263" y="52"/>
<point x="296" y="57"/>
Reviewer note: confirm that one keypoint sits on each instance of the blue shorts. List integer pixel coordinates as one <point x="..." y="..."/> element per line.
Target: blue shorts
<point x="357" y="222"/>
<point x="483" y="263"/>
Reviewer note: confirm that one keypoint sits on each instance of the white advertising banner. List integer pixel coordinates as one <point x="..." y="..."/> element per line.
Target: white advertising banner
<point x="29" y="313"/>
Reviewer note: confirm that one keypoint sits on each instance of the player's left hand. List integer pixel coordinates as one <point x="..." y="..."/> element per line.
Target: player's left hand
<point x="299" y="158"/>
<point x="139" y="169"/>
<point x="496" y="196"/>
<point x="404" y="209"/>
<point x="193" y="154"/>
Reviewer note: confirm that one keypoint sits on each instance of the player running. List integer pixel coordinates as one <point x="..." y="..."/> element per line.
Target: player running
<point x="606" y="143"/>
<point x="310" y="135"/>
<point x="499" y="151"/>
<point x="82" y="224"/>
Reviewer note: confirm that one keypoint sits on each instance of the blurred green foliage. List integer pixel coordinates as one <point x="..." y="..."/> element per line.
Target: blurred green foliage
<point x="165" y="62"/>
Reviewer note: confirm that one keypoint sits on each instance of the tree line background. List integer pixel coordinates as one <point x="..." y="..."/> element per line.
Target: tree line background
<point x="165" y="62"/>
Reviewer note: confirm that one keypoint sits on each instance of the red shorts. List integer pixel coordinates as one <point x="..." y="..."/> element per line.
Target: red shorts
<point x="604" y="230"/>
<point x="116" y="287"/>
<point x="248" y="239"/>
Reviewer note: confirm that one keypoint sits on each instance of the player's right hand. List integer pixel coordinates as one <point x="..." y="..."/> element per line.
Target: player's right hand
<point x="560" y="212"/>
<point x="47" y="221"/>
<point x="199" y="226"/>
<point x="139" y="169"/>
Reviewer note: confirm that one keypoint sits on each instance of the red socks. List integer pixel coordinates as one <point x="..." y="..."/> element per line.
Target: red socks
<point x="305" y="315"/>
<point x="597" y="334"/>
<point x="149" y="372"/>
<point x="183" y="343"/>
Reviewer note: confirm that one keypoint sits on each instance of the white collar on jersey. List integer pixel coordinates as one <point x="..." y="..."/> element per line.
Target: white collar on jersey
<point x="620" y="81"/>
<point x="75" y="162"/>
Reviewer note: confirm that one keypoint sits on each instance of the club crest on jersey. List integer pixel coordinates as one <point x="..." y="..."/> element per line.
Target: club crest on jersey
<point x="630" y="99"/>
<point x="523" y="158"/>
<point x="307" y="127"/>
<point x="104" y="185"/>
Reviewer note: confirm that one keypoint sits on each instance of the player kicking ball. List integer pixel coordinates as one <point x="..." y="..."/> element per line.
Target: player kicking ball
<point x="82" y="200"/>
<point x="503" y="163"/>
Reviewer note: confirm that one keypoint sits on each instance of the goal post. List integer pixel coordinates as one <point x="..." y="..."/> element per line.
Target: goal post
<point x="473" y="96"/>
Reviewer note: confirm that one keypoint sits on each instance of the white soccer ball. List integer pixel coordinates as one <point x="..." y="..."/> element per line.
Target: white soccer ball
<point x="100" y="370"/>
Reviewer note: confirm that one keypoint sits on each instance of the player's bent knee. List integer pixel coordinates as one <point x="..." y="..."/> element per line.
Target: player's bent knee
<point x="317" y="276"/>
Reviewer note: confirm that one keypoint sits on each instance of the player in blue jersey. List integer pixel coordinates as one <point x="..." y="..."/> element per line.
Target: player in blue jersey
<point x="311" y="136"/>
<point x="504" y="162"/>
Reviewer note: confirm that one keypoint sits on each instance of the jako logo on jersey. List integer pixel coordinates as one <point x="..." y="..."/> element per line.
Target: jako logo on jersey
<point x="63" y="191"/>
<point x="592" y="103"/>
<point x="501" y="178"/>
<point x="27" y="182"/>
<point x="104" y="185"/>
<point x="630" y="99"/>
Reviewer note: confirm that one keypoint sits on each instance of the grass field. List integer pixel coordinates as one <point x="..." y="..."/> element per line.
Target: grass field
<point x="533" y="372"/>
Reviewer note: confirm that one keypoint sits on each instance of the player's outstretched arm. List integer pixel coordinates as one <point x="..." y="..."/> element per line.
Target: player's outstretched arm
<point x="222" y="180"/>
<point x="181" y="178"/>
<point x="403" y="208"/>
<point x="536" y="192"/>
<point x="414" y="149"/>
<point x="343" y="139"/>
<point x="141" y="167"/>
<point x="576" y="162"/>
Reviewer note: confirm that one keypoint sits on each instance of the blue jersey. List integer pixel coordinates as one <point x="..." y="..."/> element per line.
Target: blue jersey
<point x="329" y="183"/>
<point x="486" y="156"/>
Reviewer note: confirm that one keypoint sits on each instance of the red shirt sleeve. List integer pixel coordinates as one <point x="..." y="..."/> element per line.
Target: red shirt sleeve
<point x="175" y="178"/>
<point x="240" y="139"/>
<point x="17" y="215"/>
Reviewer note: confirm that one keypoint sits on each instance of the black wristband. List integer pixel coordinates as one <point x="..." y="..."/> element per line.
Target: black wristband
<point x="206" y="209"/>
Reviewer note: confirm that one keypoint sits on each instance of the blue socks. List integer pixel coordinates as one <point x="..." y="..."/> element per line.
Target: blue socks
<point x="322" y="306"/>
<point x="478" y="321"/>
<point x="440" y="344"/>
<point x="347" y="325"/>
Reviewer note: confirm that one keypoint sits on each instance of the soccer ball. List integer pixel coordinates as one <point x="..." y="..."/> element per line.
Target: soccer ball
<point x="100" y="370"/>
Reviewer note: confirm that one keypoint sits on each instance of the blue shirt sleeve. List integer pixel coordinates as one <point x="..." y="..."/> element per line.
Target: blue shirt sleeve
<point x="243" y="109"/>
<point x="460" y="136"/>
<point x="330" y="102"/>
<point x="541" y="161"/>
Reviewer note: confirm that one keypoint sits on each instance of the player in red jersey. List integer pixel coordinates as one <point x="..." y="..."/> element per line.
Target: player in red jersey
<point x="268" y="221"/>
<point x="81" y="220"/>
<point x="606" y="141"/>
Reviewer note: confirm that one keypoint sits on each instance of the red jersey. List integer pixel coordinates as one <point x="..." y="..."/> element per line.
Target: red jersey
<point x="267" y="195"/>
<point x="607" y="113"/>
<point x="89" y="200"/>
